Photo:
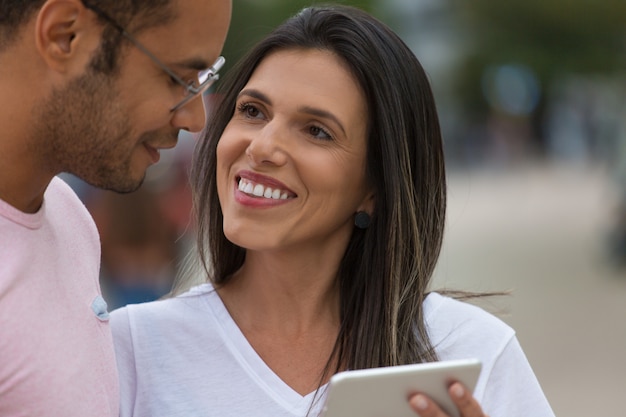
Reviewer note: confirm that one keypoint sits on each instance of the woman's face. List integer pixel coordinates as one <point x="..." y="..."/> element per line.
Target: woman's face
<point x="291" y="161"/>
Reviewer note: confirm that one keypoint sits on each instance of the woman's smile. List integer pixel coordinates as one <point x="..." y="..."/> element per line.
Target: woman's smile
<point x="256" y="190"/>
<point x="291" y="161"/>
<point x="259" y="190"/>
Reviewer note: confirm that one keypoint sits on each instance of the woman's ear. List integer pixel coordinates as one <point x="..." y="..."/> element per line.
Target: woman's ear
<point x="66" y="34"/>
<point x="368" y="204"/>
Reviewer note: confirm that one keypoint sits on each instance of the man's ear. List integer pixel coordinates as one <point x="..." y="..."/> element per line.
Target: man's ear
<point x="66" y="34"/>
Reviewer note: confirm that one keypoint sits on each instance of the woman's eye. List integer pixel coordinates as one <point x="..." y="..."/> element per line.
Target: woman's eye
<point x="319" y="133"/>
<point x="248" y="110"/>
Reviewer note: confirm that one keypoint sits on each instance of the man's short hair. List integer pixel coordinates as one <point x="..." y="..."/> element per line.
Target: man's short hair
<point x="14" y="14"/>
<point x="133" y="15"/>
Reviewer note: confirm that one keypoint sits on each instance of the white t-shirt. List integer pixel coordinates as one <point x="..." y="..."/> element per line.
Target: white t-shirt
<point x="56" y="349"/>
<point x="186" y="357"/>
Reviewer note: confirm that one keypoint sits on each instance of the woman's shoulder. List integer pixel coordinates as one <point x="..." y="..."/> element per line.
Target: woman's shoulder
<point x="460" y="329"/>
<point x="164" y="309"/>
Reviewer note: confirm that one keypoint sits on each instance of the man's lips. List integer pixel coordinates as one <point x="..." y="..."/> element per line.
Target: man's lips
<point x="153" y="152"/>
<point x="153" y="146"/>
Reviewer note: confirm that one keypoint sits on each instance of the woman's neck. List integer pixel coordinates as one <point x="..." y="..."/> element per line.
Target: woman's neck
<point x="290" y="316"/>
<point x="284" y="294"/>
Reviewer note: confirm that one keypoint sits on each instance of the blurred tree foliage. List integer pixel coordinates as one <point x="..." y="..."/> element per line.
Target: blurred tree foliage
<point x="552" y="37"/>
<point x="253" y="19"/>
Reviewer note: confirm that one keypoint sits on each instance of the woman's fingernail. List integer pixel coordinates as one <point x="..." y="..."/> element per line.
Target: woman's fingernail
<point x="420" y="402"/>
<point x="457" y="390"/>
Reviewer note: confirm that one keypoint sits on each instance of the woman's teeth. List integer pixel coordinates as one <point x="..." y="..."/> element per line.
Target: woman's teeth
<point x="259" y="190"/>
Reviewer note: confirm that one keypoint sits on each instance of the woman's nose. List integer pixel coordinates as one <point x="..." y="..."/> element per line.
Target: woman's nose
<point x="268" y="146"/>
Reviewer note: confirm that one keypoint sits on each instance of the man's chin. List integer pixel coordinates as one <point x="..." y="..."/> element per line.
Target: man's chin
<point x="120" y="185"/>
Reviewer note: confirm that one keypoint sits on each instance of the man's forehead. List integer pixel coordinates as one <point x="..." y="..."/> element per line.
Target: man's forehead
<point x="195" y="37"/>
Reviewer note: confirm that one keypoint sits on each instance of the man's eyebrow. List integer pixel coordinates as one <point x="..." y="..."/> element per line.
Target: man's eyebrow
<point x="255" y="94"/>
<point x="197" y="64"/>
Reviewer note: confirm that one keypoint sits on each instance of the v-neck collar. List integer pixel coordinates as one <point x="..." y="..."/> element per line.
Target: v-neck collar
<point x="250" y="360"/>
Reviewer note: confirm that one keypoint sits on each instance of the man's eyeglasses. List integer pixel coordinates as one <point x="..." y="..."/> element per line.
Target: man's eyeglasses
<point x="192" y="89"/>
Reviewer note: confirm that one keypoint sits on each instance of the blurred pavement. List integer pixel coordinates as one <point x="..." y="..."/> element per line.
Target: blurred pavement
<point x="541" y="230"/>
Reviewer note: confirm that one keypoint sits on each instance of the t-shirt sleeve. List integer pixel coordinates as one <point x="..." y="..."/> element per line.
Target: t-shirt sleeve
<point x="125" y="355"/>
<point x="512" y="390"/>
<point x="507" y="386"/>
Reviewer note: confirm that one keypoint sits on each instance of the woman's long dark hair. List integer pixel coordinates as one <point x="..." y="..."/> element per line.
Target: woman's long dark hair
<point x="387" y="267"/>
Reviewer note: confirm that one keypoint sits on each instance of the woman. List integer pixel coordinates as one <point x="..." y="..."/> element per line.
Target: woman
<point x="320" y="196"/>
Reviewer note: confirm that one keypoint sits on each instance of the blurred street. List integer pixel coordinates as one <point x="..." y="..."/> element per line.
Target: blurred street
<point x="541" y="231"/>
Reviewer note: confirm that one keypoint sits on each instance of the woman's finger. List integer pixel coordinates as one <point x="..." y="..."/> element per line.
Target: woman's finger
<point x="425" y="407"/>
<point x="462" y="398"/>
<point x="465" y="401"/>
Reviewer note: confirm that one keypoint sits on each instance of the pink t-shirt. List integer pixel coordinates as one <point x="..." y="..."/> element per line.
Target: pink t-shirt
<point x="56" y="351"/>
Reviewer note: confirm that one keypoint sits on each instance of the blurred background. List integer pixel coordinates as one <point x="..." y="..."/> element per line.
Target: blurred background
<point x="532" y="100"/>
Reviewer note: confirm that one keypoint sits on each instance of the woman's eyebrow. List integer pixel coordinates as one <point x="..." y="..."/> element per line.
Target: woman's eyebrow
<point x="304" y="109"/>
<point x="255" y="94"/>
<point x="323" y="114"/>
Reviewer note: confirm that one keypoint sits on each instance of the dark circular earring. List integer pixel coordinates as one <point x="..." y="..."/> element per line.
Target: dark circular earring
<point x="362" y="220"/>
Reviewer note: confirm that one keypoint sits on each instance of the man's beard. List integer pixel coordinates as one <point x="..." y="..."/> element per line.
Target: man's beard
<point x="82" y="129"/>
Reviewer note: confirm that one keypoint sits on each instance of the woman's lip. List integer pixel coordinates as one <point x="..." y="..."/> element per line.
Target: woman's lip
<point x="264" y="180"/>
<point x="258" y="202"/>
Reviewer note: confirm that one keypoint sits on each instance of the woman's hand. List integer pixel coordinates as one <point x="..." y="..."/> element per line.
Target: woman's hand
<point x="465" y="402"/>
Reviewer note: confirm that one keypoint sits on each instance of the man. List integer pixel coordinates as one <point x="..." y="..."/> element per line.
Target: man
<point x="95" y="88"/>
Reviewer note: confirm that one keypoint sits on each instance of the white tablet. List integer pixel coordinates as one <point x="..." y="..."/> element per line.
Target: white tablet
<point x="384" y="392"/>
